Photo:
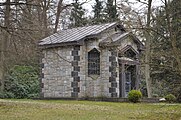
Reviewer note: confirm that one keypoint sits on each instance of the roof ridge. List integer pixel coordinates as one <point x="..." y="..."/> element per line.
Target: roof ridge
<point x="75" y="34"/>
<point x="87" y="26"/>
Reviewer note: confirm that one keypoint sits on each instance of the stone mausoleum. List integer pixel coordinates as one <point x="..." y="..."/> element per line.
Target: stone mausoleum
<point x="92" y="61"/>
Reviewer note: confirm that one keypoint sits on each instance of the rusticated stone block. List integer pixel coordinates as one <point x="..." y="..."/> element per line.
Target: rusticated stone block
<point x="76" y="78"/>
<point x="111" y="90"/>
<point x="112" y="79"/>
<point x="75" y="53"/>
<point x="77" y="58"/>
<point x="42" y="75"/>
<point x="74" y="84"/>
<point x="114" y="94"/>
<point x="42" y="85"/>
<point x="112" y="58"/>
<point x="77" y="68"/>
<point x="114" y="64"/>
<point x="114" y="74"/>
<point x="112" y="69"/>
<point x="114" y="53"/>
<point x="76" y="47"/>
<point x="114" y="84"/>
<point x="74" y="94"/>
<point x="42" y="65"/>
<point x="74" y="73"/>
<point x="74" y="63"/>
<point x="76" y="89"/>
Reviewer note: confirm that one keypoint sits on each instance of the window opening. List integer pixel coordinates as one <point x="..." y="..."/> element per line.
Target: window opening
<point x="94" y="62"/>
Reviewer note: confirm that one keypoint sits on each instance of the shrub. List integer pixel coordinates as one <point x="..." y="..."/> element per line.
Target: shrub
<point x="155" y="95"/>
<point x="170" y="98"/>
<point x="1" y="95"/>
<point x="22" y="82"/>
<point x="7" y="95"/>
<point x="134" y="96"/>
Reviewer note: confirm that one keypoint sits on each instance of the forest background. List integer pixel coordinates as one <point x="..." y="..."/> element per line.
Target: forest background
<point x="23" y="23"/>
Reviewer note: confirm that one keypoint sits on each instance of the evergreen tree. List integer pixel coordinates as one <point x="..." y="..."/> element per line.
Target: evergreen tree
<point x="111" y="11"/>
<point x="77" y="17"/>
<point x="98" y="13"/>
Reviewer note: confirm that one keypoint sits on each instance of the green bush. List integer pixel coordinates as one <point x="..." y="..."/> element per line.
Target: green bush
<point x="134" y="96"/>
<point x="7" y="95"/>
<point x="155" y="95"/>
<point x="1" y="95"/>
<point x="170" y="98"/>
<point x="22" y="82"/>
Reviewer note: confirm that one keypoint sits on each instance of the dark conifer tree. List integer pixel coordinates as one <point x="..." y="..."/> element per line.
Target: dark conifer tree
<point x="77" y="15"/>
<point x="111" y="11"/>
<point x="98" y="13"/>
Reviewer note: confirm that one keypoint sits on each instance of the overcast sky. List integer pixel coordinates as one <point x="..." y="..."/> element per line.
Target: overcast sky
<point x="135" y="4"/>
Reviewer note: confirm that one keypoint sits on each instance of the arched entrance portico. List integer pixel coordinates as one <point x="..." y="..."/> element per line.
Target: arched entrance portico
<point x="128" y="71"/>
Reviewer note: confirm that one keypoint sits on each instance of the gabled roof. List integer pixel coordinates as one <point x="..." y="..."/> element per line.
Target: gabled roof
<point x="108" y="40"/>
<point x="75" y="34"/>
<point x="116" y="38"/>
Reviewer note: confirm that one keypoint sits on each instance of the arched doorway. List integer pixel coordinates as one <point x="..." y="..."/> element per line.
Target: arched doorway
<point x="128" y="71"/>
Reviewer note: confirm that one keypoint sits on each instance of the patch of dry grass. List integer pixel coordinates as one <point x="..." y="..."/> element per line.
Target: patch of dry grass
<point x="86" y="110"/>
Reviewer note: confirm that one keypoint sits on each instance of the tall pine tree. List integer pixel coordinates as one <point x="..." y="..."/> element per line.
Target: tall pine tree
<point x="111" y="11"/>
<point x="98" y="13"/>
<point x="77" y="17"/>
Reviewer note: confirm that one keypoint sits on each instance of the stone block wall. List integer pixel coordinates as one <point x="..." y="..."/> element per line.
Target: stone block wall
<point x="75" y="71"/>
<point x="57" y="80"/>
<point x="65" y="72"/>
<point x="114" y="73"/>
<point x="99" y="85"/>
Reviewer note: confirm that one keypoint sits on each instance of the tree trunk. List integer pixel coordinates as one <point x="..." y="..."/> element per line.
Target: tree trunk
<point x="4" y="45"/>
<point x="59" y="9"/>
<point x="45" y="8"/>
<point x="147" y="56"/>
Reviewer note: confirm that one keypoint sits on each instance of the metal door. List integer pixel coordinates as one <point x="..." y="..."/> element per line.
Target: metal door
<point x="127" y="83"/>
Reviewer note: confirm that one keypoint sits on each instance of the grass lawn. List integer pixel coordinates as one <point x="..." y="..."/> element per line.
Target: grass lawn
<point x="86" y="110"/>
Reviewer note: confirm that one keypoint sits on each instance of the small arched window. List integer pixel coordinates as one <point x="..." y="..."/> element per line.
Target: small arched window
<point x="94" y="62"/>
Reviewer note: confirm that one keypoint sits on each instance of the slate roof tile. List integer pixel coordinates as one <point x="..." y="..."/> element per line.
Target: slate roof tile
<point x="75" y="34"/>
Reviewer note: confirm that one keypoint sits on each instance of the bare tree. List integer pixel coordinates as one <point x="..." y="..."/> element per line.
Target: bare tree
<point x="23" y="23"/>
<point x="173" y="34"/>
<point x="4" y="44"/>
<point x="59" y="9"/>
<point x="147" y="50"/>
